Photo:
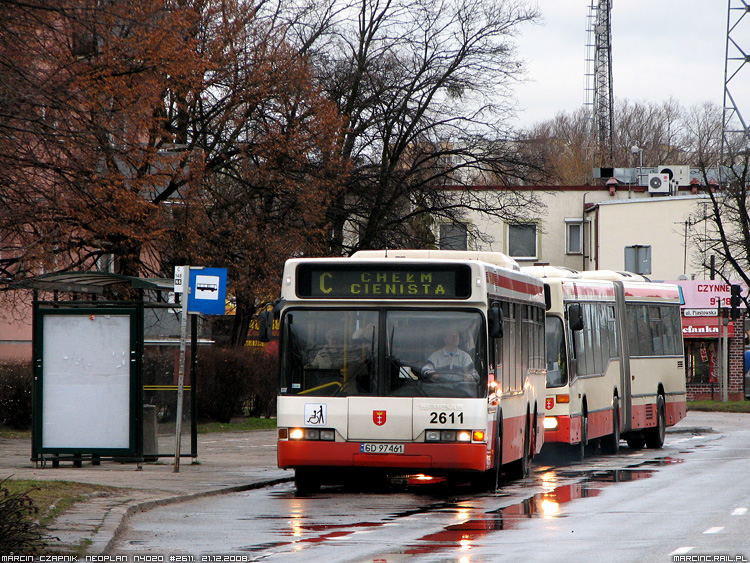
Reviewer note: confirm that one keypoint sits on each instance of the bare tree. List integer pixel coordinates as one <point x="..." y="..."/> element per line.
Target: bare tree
<point x="725" y="239"/>
<point x="425" y="89"/>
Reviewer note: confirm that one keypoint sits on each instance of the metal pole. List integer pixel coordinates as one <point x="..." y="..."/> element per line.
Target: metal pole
<point x="181" y="377"/>
<point x="725" y="359"/>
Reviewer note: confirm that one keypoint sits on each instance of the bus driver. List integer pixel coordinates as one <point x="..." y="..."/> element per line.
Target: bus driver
<point x="450" y="363"/>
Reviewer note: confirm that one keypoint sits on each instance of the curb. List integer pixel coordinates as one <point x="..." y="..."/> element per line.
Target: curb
<point x="126" y="512"/>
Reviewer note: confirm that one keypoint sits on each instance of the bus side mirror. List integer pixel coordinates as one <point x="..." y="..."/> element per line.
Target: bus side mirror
<point x="575" y="318"/>
<point x="265" y="326"/>
<point x="495" y="321"/>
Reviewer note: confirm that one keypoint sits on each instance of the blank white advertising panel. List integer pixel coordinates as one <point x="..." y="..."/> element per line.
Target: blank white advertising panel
<point x="86" y="381"/>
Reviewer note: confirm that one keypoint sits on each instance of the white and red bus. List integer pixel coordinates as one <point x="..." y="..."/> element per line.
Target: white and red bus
<point x="405" y="363"/>
<point x="615" y="360"/>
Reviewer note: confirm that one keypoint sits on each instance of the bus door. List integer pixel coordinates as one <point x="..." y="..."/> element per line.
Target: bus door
<point x="626" y="400"/>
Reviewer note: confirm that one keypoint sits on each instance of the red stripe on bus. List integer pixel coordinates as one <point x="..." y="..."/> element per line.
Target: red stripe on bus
<point x="513" y="284"/>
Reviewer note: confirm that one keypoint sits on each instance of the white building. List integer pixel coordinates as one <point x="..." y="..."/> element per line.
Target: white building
<point x="597" y="227"/>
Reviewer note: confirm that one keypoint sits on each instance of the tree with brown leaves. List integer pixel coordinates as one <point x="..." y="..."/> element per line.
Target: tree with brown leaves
<point x="158" y="133"/>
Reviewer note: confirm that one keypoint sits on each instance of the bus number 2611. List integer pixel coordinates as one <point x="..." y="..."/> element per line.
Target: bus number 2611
<point x="446" y="417"/>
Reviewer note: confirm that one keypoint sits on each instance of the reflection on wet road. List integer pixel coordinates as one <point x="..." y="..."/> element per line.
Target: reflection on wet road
<point x="472" y="514"/>
<point x="414" y="522"/>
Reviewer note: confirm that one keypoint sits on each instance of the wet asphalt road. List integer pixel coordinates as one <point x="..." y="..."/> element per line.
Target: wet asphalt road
<point x="690" y="498"/>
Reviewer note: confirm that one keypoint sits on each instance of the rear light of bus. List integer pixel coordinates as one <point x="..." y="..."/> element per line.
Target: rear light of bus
<point x="454" y="436"/>
<point x="310" y="434"/>
<point x="563" y="398"/>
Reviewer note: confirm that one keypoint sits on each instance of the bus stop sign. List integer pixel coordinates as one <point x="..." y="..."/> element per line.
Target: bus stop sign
<point x="207" y="291"/>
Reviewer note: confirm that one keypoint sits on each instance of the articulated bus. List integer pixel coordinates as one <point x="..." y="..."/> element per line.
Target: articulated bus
<point x="409" y="364"/>
<point x="615" y="361"/>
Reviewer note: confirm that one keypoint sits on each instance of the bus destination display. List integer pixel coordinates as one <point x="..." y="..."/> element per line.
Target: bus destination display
<point x="339" y="281"/>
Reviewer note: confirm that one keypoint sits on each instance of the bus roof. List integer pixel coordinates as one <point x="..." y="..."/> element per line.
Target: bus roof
<point x="613" y="275"/>
<point x="551" y="272"/>
<point x="494" y="258"/>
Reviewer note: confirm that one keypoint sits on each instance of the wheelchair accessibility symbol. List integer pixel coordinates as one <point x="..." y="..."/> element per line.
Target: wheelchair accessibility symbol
<point x="316" y="414"/>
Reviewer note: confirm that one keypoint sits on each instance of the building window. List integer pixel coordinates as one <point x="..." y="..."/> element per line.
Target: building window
<point x="574" y="237"/>
<point x="454" y="236"/>
<point x="522" y="241"/>
<point x="638" y="259"/>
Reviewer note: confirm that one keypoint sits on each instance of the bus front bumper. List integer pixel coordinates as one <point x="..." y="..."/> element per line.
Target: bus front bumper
<point x="416" y="456"/>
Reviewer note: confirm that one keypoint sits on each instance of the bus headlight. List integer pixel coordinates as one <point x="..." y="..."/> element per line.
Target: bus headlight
<point x="313" y="434"/>
<point x="454" y="436"/>
<point x="550" y="423"/>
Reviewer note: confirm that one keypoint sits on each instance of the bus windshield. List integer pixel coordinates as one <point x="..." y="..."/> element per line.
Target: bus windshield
<point x="557" y="372"/>
<point x="383" y="352"/>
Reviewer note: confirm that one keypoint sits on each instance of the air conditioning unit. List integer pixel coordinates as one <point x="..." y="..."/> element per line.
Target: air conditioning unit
<point x="678" y="173"/>
<point x="658" y="183"/>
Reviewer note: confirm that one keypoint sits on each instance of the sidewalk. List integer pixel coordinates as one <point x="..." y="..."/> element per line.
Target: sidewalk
<point x="227" y="462"/>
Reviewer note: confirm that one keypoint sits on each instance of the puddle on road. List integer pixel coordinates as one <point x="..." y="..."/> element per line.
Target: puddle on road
<point x="547" y="504"/>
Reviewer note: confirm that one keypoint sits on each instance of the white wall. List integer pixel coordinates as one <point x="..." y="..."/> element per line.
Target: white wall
<point x="658" y="222"/>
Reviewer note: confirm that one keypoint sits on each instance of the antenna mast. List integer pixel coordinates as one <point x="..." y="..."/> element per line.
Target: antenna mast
<point x="735" y="135"/>
<point x="599" y="79"/>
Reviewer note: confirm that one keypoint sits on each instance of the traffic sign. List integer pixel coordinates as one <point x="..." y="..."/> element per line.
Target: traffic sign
<point x="207" y="291"/>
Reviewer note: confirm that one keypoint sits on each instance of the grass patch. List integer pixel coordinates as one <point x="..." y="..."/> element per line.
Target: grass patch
<point x="238" y="425"/>
<point x="52" y="498"/>
<point x="719" y="406"/>
<point x="9" y="433"/>
<point x="49" y="499"/>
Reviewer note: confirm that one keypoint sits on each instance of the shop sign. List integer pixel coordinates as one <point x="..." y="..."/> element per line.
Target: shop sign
<point x="704" y="328"/>
<point x="699" y="312"/>
<point x="707" y="294"/>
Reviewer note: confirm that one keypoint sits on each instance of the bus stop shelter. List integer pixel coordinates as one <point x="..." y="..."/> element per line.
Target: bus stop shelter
<point x="89" y="343"/>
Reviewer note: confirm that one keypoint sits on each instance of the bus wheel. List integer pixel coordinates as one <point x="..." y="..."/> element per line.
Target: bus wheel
<point x="611" y="444"/>
<point x="579" y="450"/>
<point x="490" y="479"/>
<point x="519" y="468"/>
<point x="306" y="480"/>
<point x="636" y="441"/>
<point x="655" y="436"/>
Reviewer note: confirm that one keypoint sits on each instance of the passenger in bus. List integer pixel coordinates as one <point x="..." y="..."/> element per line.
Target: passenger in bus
<point x="450" y="363"/>
<point x="331" y="356"/>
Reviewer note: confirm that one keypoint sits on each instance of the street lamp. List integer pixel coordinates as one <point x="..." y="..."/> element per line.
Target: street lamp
<point x="634" y="149"/>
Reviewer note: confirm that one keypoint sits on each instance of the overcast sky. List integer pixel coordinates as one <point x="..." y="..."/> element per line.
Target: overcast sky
<point x="660" y="49"/>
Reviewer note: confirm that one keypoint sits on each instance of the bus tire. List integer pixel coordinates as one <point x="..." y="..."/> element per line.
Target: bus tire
<point x="655" y="436"/>
<point x="519" y="469"/>
<point x="635" y="441"/>
<point x="306" y="480"/>
<point x="579" y="450"/>
<point x="490" y="480"/>
<point x="611" y="444"/>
